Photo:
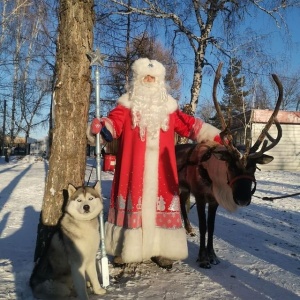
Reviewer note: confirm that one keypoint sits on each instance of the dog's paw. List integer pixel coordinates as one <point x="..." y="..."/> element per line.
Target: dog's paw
<point x="99" y="291"/>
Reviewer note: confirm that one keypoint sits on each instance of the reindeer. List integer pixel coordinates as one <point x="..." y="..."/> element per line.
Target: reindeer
<point x="221" y="175"/>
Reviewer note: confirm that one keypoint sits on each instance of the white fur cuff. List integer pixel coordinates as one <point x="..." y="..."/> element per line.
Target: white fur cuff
<point x="91" y="137"/>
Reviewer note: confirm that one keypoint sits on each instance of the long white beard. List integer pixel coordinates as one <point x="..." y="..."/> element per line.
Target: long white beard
<point x="149" y="109"/>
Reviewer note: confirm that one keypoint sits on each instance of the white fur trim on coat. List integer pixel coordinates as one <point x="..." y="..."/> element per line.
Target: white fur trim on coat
<point x="127" y="243"/>
<point x="203" y="132"/>
<point x="92" y="137"/>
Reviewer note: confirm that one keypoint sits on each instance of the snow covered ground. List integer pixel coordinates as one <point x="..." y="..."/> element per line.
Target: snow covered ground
<point x="259" y="246"/>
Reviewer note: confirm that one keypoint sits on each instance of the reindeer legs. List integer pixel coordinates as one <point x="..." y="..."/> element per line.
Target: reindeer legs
<point x="212" y="210"/>
<point x="202" y="255"/>
<point x="206" y="255"/>
<point x="184" y="196"/>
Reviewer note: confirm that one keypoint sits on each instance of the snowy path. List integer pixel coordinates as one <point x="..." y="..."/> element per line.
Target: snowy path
<point x="259" y="246"/>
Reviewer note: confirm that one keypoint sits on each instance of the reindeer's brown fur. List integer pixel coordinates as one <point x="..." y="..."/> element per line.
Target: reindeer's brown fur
<point x="217" y="174"/>
<point x="204" y="170"/>
<point x="209" y="177"/>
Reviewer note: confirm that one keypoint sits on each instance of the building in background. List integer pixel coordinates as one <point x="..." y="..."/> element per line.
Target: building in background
<point x="39" y="146"/>
<point x="21" y="147"/>
<point x="287" y="152"/>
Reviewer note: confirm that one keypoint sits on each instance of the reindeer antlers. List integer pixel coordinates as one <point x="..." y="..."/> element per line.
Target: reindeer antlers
<point x="226" y="133"/>
<point x="272" y="119"/>
<point x="217" y="106"/>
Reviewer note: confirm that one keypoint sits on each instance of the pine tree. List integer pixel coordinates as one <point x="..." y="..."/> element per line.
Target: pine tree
<point x="234" y="98"/>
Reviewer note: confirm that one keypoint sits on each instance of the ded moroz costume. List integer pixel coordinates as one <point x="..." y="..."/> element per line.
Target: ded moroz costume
<point x="144" y="219"/>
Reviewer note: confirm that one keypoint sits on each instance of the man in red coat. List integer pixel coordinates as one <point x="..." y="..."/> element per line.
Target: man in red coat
<point x="144" y="220"/>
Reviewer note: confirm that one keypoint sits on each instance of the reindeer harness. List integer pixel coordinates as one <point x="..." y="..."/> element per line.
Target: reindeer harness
<point x="203" y="172"/>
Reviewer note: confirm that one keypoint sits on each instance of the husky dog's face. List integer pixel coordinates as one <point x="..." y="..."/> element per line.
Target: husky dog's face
<point x="85" y="202"/>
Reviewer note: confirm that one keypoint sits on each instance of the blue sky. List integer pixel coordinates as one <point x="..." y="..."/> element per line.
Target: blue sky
<point x="283" y="45"/>
<point x="286" y="44"/>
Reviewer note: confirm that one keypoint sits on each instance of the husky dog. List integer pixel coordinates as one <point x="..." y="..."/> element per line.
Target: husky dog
<point x="71" y="254"/>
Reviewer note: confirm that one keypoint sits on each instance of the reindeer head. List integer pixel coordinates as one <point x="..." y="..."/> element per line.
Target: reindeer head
<point x="242" y="164"/>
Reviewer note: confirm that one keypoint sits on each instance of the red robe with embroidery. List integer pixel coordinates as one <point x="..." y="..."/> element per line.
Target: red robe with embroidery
<point x="144" y="215"/>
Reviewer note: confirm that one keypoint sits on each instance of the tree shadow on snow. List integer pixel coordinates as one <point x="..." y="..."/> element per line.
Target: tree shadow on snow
<point x="260" y="243"/>
<point x="256" y="242"/>
<point x="9" y="167"/>
<point x="11" y="186"/>
<point x="17" y="250"/>
<point x="238" y="282"/>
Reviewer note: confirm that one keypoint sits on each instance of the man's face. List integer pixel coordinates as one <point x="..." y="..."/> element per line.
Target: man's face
<point x="149" y="78"/>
